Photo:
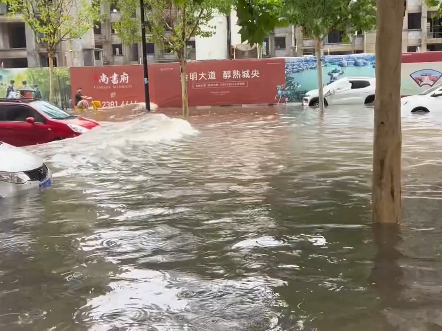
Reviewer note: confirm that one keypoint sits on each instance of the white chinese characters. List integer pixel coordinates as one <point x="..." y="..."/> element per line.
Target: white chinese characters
<point x="114" y="78"/>
<point x="226" y="75"/>
<point x="237" y="74"/>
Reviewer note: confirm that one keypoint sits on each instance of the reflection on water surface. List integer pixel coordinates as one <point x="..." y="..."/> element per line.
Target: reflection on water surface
<point x="250" y="222"/>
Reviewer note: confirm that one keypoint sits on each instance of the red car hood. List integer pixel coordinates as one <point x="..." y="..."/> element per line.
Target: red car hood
<point x="82" y="121"/>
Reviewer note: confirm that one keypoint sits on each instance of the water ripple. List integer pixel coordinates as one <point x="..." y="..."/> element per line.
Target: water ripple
<point x="254" y="221"/>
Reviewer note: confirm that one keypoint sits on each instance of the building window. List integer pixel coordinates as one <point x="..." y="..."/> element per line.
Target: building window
<point x="411" y="49"/>
<point x="134" y="56"/>
<point x="414" y="21"/>
<point x="150" y="48"/>
<point x="97" y="28"/>
<point x="191" y="44"/>
<point x="334" y="37"/>
<point x="279" y="42"/>
<point x="117" y="49"/>
<point x="97" y="55"/>
<point x="113" y="29"/>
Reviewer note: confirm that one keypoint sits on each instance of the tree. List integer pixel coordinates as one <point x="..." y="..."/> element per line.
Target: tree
<point x="387" y="146"/>
<point x="259" y="18"/>
<point x="318" y="18"/>
<point x="171" y="23"/>
<point x="54" y="21"/>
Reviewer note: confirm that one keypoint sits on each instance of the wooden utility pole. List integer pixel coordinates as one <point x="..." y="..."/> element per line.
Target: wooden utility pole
<point x="387" y="144"/>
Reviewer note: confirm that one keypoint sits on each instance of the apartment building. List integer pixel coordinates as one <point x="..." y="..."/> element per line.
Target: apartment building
<point x="99" y="46"/>
<point x="422" y="31"/>
<point x="110" y="50"/>
<point x="290" y="41"/>
<point x="19" y="49"/>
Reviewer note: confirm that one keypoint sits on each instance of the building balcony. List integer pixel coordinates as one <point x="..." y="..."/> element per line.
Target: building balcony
<point x="434" y="38"/>
<point x="10" y="19"/>
<point x="412" y="37"/>
<point x="414" y="8"/>
<point x="99" y="38"/>
<point x="115" y="39"/>
<point x="115" y="17"/>
<point x="15" y="53"/>
<point x="308" y="43"/>
<point x="414" y="3"/>
<point x="343" y="47"/>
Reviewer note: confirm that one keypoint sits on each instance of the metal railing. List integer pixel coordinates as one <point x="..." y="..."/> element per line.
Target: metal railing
<point x="434" y="34"/>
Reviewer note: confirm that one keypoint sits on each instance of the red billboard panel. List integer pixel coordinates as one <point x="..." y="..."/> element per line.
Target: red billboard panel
<point x="218" y="83"/>
<point x="114" y="86"/>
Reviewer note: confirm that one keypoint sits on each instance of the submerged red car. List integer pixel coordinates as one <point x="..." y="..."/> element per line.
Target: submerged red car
<point x="30" y="122"/>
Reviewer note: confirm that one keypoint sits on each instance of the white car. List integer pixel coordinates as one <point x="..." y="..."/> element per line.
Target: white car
<point x="344" y="91"/>
<point x="21" y="171"/>
<point x="426" y="101"/>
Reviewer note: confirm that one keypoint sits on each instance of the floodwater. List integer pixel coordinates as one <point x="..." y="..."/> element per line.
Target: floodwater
<point x="253" y="221"/>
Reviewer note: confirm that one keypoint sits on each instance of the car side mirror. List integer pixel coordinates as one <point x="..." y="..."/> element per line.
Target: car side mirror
<point x="30" y="120"/>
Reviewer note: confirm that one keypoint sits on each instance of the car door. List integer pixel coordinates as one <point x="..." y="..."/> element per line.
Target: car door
<point x="357" y="93"/>
<point x="339" y="93"/>
<point x="15" y="130"/>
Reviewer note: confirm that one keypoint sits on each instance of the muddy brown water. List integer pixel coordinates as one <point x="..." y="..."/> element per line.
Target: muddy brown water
<point x="251" y="221"/>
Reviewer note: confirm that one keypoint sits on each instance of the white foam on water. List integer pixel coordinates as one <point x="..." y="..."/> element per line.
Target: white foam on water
<point x="115" y="142"/>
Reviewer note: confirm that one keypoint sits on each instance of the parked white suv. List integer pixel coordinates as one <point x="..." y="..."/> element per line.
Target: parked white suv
<point x="425" y="102"/>
<point x="21" y="171"/>
<point x="344" y="91"/>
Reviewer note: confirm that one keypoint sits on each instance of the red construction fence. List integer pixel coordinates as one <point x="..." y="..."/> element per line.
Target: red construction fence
<point x="209" y="83"/>
<point x="251" y="81"/>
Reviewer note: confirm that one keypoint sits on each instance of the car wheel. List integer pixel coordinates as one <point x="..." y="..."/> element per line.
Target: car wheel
<point x="315" y="103"/>
<point x="420" y="110"/>
<point x="369" y="100"/>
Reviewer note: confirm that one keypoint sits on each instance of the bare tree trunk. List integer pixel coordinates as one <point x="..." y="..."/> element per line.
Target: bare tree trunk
<point x="51" y="71"/>
<point x="272" y="51"/>
<point x="185" y="98"/>
<point x="387" y="145"/>
<point x="318" y="42"/>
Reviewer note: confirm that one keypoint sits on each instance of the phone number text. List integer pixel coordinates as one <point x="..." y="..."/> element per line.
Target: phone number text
<point x="116" y="103"/>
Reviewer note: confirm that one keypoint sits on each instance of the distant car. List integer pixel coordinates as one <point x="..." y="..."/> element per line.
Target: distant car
<point x="424" y="102"/>
<point x="21" y="171"/>
<point x="346" y="90"/>
<point x="26" y="122"/>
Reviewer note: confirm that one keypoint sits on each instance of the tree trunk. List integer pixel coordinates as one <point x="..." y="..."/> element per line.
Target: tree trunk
<point x="387" y="144"/>
<point x="272" y="50"/>
<point x="184" y="96"/>
<point x="51" y="67"/>
<point x="318" y="42"/>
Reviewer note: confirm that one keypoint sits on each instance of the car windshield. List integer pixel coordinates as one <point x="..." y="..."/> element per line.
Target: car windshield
<point x="51" y="111"/>
<point x="431" y="90"/>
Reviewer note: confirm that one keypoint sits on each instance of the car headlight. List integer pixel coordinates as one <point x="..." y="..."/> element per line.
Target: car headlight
<point x="77" y="128"/>
<point x="14" y="177"/>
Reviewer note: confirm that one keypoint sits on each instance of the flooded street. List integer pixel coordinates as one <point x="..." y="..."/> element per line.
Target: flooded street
<point x="238" y="222"/>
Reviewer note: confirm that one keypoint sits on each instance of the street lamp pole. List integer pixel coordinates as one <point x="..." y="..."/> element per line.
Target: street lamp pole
<point x="143" y="41"/>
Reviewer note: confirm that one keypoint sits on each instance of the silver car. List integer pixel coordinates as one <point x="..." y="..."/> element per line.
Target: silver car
<point x="21" y="171"/>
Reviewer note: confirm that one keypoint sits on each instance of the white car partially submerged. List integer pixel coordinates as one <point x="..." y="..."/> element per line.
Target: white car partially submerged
<point x="21" y="171"/>
<point x="344" y="91"/>
<point x="424" y="102"/>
